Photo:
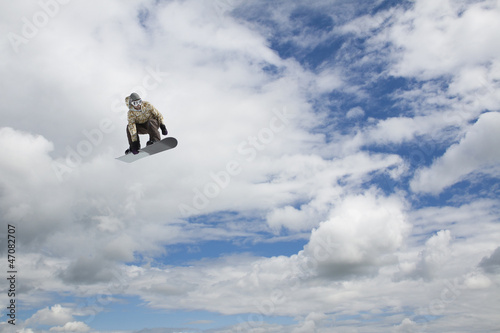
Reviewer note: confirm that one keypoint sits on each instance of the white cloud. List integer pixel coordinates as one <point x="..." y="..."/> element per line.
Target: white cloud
<point x="356" y="112"/>
<point x="55" y="315"/>
<point x="28" y="156"/>
<point x="476" y="152"/>
<point x="313" y="182"/>
<point x="26" y="330"/>
<point x="360" y="236"/>
<point x="452" y="40"/>
<point x="477" y="280"/>
<point x="27" y="171"/>
<point x="394" y="130"/>
<point x="74" y="326"/>
<point x="406" y="326"/>
<point x="430" y="260"/>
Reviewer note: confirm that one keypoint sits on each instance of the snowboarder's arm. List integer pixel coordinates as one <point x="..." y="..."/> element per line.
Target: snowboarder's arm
<point x="156" y="114"/>
<point x="132" y="129"/>
<point x="159" y="116"/>
<point x="161" y="121"/>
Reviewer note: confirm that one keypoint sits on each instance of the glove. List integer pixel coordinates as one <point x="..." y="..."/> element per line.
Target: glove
<point x="163" y="129"/>
<point x="134" y="147"/>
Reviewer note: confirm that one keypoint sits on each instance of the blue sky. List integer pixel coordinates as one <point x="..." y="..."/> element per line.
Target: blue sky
<point x="337" y="167"/>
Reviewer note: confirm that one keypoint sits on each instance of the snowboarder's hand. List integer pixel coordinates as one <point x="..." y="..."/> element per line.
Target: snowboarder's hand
<point x="163" y="129"/>
<point x="134" y="147"/>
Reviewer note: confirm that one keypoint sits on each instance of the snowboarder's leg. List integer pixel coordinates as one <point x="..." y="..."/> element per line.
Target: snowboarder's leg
<point x="154" y="133"/>
<point x="140" y="130"/>
<point x="129" y="137"/>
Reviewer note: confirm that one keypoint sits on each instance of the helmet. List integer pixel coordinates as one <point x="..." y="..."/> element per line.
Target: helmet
<point x="134" y="99"/>
<point x="134" y="96"/>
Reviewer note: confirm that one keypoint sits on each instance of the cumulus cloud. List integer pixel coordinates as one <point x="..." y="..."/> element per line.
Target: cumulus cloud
<point x="55" y="315"/>
<point x="476" y="152"/>
<point x="74" y="326"/>
<point x="406" y="326"/>
<point x="27" y="171"/>
<point x="430" y="260"/>
<point x="360" y="236"/>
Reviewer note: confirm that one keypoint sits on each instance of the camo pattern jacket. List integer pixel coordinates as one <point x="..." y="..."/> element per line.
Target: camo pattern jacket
<point x="147" y="112"/>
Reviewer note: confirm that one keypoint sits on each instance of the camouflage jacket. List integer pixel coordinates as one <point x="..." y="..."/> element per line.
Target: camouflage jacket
<point x="147" y="112"/>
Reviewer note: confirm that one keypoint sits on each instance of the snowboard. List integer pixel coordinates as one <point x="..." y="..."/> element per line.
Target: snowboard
<point x="155" y="148"/>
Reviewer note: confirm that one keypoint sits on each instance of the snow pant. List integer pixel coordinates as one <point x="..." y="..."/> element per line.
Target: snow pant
<point x="149" y="127"/>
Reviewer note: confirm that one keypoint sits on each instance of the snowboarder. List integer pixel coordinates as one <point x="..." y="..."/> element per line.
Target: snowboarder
<point x="143" y="118"/>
